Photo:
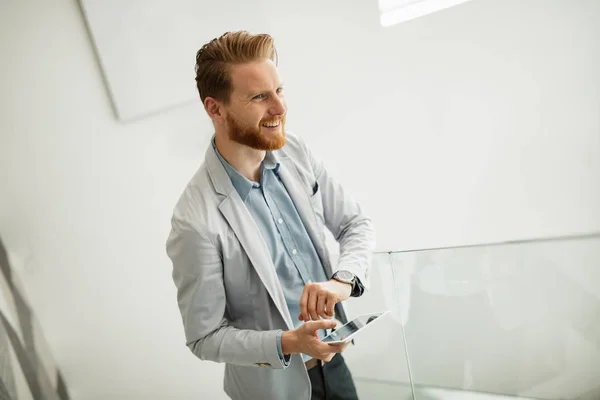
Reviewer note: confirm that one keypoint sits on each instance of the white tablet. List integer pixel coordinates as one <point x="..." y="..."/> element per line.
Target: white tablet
<point x="346" y="332"/>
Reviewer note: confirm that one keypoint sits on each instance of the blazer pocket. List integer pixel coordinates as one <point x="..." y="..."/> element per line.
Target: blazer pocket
<point x="316" y="202"/>
<point x="315" y="189"/>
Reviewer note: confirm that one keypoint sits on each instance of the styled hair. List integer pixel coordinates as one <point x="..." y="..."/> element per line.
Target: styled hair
<point x="214" y="59"/>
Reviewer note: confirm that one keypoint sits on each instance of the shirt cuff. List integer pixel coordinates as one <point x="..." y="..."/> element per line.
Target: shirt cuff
<point x="358" y="289"/>
<point x="285" y="359"/>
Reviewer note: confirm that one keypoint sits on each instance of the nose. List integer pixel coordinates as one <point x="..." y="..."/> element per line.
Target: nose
<point x="278" y="106"/>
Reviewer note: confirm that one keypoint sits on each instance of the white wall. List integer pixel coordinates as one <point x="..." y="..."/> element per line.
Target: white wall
<point x="88" y="209"/>
<point x="476" y="124"/>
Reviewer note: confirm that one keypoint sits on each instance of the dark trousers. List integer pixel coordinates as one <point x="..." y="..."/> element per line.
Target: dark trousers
<point x="332" y="381"/>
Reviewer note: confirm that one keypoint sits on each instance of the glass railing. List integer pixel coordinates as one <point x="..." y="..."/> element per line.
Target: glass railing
<point x="516" y="320"/>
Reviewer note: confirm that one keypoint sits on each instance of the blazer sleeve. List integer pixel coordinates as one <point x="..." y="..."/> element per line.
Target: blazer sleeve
<point x="198" y="276"/>
<point x="346" y="220"/>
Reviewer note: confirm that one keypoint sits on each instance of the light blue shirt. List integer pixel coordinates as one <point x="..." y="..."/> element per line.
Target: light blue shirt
<point x="292" y="251"/>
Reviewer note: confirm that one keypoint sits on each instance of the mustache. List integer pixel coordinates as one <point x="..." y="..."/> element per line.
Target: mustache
<point x="272" y="120"/>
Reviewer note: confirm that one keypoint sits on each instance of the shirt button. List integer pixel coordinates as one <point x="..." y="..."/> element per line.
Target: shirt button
<point x="280" y="221"/>
<point x="294" y="251"/>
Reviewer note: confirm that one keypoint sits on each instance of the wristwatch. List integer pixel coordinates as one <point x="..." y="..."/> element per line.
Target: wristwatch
<point x="351" y="279"/>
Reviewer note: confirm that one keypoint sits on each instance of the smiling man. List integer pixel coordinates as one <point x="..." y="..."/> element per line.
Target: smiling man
<point x="255" y="284"/>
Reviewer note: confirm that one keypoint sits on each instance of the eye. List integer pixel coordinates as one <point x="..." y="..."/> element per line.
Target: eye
<point x="279" y="90"/>
<point x="259" y="96"/>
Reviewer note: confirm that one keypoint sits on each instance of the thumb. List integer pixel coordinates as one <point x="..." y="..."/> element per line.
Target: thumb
<point x="320" y="324"/>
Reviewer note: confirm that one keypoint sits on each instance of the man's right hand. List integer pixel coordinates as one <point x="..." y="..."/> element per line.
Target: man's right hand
<point x="306" y="340"/>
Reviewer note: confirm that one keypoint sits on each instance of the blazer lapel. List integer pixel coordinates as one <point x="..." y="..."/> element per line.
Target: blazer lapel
<point x="239" y="218"/>
<point x="301" y="198"/>
<point x="242" y="223"/>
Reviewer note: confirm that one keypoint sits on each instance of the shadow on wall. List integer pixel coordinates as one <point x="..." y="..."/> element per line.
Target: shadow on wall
<point x="26" y="369"/>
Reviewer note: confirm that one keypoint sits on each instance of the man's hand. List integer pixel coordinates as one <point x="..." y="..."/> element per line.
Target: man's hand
<point x="306" y="340"/>
<point x="319" y="298"/>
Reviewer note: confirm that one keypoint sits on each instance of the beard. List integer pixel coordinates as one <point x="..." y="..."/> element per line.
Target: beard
<point x="255" y="137"/>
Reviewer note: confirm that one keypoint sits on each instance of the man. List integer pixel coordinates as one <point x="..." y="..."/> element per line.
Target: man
<point x="256" y="288"/>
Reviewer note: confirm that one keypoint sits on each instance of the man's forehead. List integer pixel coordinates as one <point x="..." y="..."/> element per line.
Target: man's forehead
<point x="260" y="75"/>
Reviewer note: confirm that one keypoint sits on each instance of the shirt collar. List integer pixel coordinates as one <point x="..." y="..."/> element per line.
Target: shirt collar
<point x="271" y="162"/>
<point x="242" y="184"/>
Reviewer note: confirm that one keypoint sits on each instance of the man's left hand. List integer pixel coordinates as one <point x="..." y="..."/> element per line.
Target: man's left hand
<point x="318" y="299"/>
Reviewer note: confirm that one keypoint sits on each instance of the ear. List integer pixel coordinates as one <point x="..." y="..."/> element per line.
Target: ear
<point x="214" y="109"/>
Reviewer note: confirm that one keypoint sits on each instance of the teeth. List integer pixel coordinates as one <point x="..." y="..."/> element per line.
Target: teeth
<point x="271" y="124"/>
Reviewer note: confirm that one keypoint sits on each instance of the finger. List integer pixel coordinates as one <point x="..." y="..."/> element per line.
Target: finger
<point x="324" y="352"/>
<point x="321" y="301"/>
<point x="304" y="305"/>
<point x="330" y="305"/>
<point x="312" y="303"/>
<point x="337" y="348"/>
<point x="314" y="326"/>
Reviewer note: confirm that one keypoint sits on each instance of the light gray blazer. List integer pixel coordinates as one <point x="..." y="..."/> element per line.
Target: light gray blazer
<point x="228" y="292"/>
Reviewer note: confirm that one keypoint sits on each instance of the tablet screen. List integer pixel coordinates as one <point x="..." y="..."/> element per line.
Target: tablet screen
<point x="351" y="327"/>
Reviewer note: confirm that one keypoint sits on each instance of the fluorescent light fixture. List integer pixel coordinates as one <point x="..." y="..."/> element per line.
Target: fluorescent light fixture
<point x="397" y="11"/>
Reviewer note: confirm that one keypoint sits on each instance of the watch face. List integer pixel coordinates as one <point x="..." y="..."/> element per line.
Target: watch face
<point x="345" y="275"/>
